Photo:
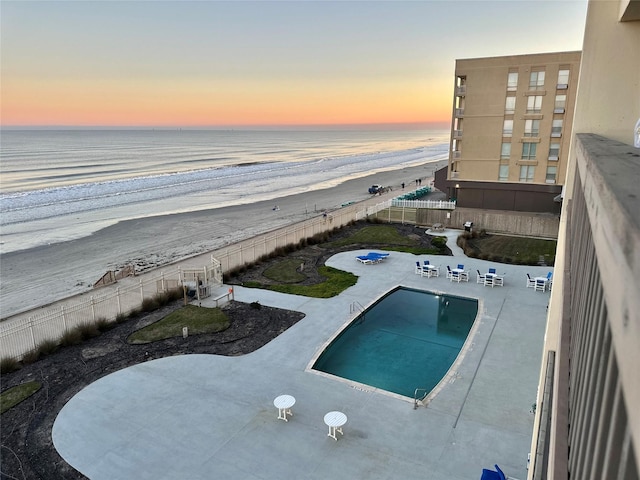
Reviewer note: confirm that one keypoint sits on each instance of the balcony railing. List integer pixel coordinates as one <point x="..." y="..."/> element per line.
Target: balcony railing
<point x="461" y="90"/>
<point x="457" y="133"/>
<point x="459" y="112"/>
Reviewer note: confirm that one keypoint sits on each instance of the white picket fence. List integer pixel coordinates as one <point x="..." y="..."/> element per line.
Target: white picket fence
<point x="20" y="334"/>
<point x="429" y="204"/>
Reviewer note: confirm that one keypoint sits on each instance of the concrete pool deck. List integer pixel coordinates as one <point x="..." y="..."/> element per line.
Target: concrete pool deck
<point x="207" y="416"/>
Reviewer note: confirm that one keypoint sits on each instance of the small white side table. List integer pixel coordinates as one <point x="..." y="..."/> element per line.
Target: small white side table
<point x="335" y="421"/>
<point x="284" y="403"/>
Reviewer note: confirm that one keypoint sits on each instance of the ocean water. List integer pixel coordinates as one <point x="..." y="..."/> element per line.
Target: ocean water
<point x="57" y="185"/>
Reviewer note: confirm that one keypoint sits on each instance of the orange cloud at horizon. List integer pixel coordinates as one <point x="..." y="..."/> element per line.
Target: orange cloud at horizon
<point x="225" y="102"/>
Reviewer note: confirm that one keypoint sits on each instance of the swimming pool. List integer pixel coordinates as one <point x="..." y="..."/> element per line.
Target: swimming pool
<point x="408" y="339"/>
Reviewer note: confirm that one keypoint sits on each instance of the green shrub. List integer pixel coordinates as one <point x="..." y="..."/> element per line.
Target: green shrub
<point x="8" y="365"/>
<point x="255" y="305"/>
<point x="88" y="330"/>
<point x="134" y="312"/>
<point x="104" y="325"/>
<point x="31" y="356"/>
<point x="439" y="242"/>
<point x="48" y="347"/>
<point x="121" y="318"/>
<point x="71" y="337"/>
<point x="149" y="304"/>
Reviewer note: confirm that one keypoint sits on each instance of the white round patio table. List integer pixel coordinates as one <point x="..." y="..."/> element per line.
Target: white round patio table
<point x="284" y="403"/>
<point x="335" y="421"/>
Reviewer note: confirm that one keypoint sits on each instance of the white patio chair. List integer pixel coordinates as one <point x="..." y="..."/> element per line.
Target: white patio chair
<point x="531" y="283"/>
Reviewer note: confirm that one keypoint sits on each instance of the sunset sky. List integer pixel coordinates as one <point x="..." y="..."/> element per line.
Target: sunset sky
<point x="240" y="63"/>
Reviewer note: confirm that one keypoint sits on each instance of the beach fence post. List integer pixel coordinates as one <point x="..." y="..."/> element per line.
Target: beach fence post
<point x="64" y="318"/>
<point x="93" y="308"/>
<point x="141" y="291"/>
<point x="33" y="338"/>
<point x="118" y="300"/>
<point x="162" y="281"/>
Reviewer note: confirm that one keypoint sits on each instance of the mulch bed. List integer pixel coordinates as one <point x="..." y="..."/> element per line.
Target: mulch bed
<point x="27" y="451"/>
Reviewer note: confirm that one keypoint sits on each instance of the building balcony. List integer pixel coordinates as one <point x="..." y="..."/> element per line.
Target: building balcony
<point x="461" y="90"/>
<point x="455" y="175"/>
<point x="558" y="110"/>
<point x="457" y="134"/>
<point x="553" y="158"/>
<point x="459" y="112"/>
<point x="456" y="154"/>
<point x="556" y="134"/>
<point x="562" y="86"/>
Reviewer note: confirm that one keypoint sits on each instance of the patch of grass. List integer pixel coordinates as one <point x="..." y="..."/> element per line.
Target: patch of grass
<point x="198" y="319"/>
<point x="285" y="271"/>
<point x="383" y="234"/>
<point x="336" y="282"/>
<point x="520" y="250"/>
<point x="14" y="395"/>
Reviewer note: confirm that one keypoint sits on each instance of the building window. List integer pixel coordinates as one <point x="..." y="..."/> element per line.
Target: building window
<point x="561" y="102"/>
<point x="534" y="104"/>
<point x="551" y="174"/>
<point x="507" y="128"/>
<point x="556" y="128"/>
<point x="529" y="151"/>
<point x="505" y="151"/>
<point x="512" y="81"/>
<point x="563" y="79"/>
<point x="554" y="152"/>
<point x="510" y="105"/>
<point x="527" y="172"/>
<point x="503" y="175"/>
<point x="531" y="128"/>
<point x="536" y="81"/>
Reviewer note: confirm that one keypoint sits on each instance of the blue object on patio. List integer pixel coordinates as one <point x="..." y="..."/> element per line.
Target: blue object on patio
<point x="376" y="254"/>
<point x="461" y="266"/>
<point x="492" y="270"/>
<point x="493" y="475"/>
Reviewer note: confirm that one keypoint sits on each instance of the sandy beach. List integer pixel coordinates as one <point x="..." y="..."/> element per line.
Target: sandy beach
<point x="36" y="277"/>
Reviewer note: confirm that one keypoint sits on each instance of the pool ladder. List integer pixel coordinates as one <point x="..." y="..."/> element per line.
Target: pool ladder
<point x="356" y="307"/>
<point x="415" y="396"/>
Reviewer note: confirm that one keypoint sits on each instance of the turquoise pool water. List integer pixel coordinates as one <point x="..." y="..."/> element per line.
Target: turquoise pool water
<point x="408" y="339"/>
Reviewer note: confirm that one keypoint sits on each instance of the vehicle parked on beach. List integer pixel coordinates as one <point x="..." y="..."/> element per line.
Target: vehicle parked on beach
<point x="373" y="189"/>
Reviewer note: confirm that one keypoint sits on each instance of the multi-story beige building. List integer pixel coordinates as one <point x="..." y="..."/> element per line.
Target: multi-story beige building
<point x="509" y="134"/>
<point x="588" y="417"/>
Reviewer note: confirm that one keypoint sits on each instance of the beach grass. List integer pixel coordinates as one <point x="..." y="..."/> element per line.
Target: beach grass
<point x="14" y="395"/>
<point x="336" y="282"/>
<point x="198" y="320"/>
